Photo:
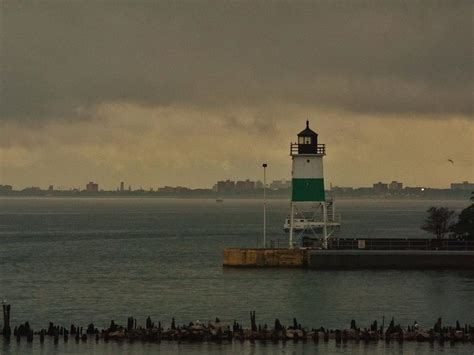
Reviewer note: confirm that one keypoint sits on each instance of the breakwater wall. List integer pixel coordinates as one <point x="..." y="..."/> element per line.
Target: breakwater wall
<point x="349" y="259"/>
<point x="391" y="259"/>
<point x="265" y="257"/>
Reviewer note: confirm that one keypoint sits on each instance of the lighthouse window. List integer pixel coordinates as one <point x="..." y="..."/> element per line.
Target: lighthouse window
<point x="307" y="140"/>
<point x="300" y="140"/>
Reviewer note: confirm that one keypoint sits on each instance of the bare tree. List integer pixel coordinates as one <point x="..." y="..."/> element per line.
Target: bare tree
<point x="439" y="221"/>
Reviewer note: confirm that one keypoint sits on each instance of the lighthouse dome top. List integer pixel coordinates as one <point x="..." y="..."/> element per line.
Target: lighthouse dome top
<point x="307" y="132"/>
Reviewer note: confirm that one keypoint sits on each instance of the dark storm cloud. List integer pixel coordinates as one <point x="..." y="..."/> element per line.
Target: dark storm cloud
<point x="60" y="59"/>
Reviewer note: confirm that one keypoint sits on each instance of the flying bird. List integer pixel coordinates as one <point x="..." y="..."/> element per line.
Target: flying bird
<point x="452" y="162"/>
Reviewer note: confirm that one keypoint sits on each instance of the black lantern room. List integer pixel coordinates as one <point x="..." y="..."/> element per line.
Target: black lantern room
<point x="307" y="141"/>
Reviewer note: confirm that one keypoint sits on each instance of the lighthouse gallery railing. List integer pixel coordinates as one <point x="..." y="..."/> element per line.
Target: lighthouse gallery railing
<point x="320" y="149"/>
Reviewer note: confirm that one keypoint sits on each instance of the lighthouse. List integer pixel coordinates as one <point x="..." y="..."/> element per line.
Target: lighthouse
<point x="312" y="217"/>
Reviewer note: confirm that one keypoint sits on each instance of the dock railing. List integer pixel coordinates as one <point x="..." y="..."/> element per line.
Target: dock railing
<point x="384" y="244"/>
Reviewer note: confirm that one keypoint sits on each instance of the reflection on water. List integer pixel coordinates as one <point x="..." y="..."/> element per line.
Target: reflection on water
<point x="112" y="348"/>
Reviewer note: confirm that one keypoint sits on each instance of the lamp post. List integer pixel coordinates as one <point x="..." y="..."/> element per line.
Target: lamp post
<point x="264" y="165"/>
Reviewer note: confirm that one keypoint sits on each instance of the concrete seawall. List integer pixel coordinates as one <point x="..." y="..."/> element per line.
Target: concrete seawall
<point x="266" y="257"/>
<point x="349" y="259"/>
<point x="391" y="259"/>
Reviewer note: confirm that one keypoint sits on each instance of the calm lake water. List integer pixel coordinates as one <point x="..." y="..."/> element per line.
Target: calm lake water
<point x="83" y="260"/>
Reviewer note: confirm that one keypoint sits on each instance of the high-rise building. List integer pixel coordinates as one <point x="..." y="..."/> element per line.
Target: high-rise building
<point x="280" y="184"/>
<point x="247" y="185"/>
<point x="395" y="186"/>
<point x="6" y="188"/>
<point x="225" y="186"/>
<point x="465" y="185"/>
<point x="92" y="187"/>
<point x="380" y="187"/>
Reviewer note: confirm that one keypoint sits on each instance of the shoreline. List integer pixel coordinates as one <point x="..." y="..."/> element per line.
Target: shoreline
<point x="229" y="198"/>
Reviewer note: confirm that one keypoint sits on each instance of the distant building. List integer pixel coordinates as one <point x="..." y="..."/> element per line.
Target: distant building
<point x="469" y="186"/>
<point x="225" y="186"/>
<point x="166" y="189"/>
<point x="92" y="187"/>
<point x="51" y="188"/>
<point x="259" y="185"/>
<point x="122" y="186"/>
<point x="415" y="190"/>
<point x="365" y="190"/>
<point x="170" y="190"/>
<point x="280" y="184"/>
<point x="380" y="187"/>
<point x="6" y="188"/>
<point x="395" y="186"/>
<point x="341" y="189"/>
<point x="242" y="186"/>
<point x="31" y="189"/>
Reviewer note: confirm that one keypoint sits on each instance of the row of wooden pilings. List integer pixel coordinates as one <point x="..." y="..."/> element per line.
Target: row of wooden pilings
<point x="218" y="331"/>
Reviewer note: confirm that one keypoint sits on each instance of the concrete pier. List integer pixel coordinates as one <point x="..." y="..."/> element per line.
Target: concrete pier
<point x="265" y="257"/>
<point x="350" y="259"/>
<point x="391" y="259"/>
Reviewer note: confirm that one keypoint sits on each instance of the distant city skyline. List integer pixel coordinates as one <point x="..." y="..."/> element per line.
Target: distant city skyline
<point x="170" y="93"/>
<point x="228" y="185"/>
<point x="246" y="189"/>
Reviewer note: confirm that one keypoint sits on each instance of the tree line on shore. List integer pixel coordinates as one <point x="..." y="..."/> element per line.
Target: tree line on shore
<point x="442" y="222"/>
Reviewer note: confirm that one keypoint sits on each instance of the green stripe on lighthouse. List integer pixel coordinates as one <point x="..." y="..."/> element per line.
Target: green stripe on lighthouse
<point x="308" y="190"/>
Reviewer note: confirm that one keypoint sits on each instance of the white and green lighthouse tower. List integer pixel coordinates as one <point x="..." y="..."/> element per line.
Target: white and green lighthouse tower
<point x="308" y="188"/>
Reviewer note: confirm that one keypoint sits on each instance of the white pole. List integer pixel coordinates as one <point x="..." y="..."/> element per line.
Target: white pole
<point x="325" y="226"/>
<point x="264" y="205"/>
<point x="291" y="223"/>
<point x="333" y="206"/>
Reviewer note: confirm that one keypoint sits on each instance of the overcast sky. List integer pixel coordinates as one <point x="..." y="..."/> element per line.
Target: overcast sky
<point x="187" y="93"/>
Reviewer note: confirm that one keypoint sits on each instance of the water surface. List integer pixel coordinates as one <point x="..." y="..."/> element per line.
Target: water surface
<point x="82" y="260"/>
